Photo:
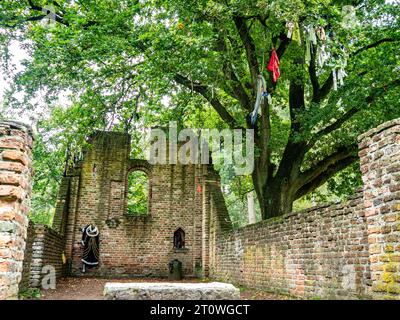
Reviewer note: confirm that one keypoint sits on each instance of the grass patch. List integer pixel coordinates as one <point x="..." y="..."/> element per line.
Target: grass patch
<point x="30" y="294"/>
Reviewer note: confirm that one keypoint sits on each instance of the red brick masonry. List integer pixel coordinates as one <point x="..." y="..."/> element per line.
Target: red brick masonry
<point x="15" y="190"/>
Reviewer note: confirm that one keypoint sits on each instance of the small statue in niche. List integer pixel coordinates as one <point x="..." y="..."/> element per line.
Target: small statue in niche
<point x="90" y="243"/>
<point x="179" y="239"/>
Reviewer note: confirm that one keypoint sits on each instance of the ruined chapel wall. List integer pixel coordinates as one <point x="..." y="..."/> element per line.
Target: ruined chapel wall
<point x="142" y="245"/>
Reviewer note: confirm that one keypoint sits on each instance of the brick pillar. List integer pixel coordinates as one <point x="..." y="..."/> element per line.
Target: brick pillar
<point x="205" y="247"/>
<point x="380" y="166"/>
<point x="15" y="190"/>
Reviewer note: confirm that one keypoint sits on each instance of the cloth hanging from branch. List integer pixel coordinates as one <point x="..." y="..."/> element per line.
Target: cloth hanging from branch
<point x="290" y="27"/>
<point x="321" y="33"/>
<point x="311" y="38"/>
<point x="308" y="52"/>
<point x="296" y="33"/>
<point x="267" y="95"/>
<point x="322" y="56"/>
<point x="311" y="35"/>
<point x="341" y="74"/>
<point x="273" y="65"/>
<point x="261" y="89"/>
<point x="334" y="79"/>
<point x="349" y="17"/>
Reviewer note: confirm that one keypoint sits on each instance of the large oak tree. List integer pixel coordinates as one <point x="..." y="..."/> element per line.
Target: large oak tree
<point x="110" y="53"/>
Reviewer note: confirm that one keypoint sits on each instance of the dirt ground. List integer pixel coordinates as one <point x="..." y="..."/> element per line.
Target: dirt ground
<point x="92" y="289"/>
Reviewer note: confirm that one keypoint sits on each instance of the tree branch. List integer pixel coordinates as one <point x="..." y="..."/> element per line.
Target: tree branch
<point x="350" y="113"/>
<point x="325" y="176"/>
<point x="296" y="104"/>
<point x="312" y="70"/>
<point x="58" y="17"/>
<point x="322" y="166"/>
<point x="285" y="41"/>
<point x="249" y="46"/>
<point x="34" y="7"/>
<point x="332" y="127"/>
<point x="373" y="45"/>
<point x="324" y="90"/>
<point x="325" y="169"/>
<point x="238" y="91"/>
<point x="207" y="94"/>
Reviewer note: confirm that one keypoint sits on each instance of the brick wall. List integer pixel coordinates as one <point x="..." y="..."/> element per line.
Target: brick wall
<point x="44" y="247"/>
<point x="94" y="191"/>
<point x="15" y="189"/>
<point x="380" y="165"/>
<point x="26" y="269"/>
<point x="320" y="252"/>
<point x="47" y="249"/>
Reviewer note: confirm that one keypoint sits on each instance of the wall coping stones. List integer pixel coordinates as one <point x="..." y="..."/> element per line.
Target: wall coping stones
<point x="379" y="129"/>
<point x="303" y="213"/>
<point x="18" y="125"/>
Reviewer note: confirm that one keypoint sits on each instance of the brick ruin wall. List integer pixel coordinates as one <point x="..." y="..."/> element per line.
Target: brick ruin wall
<point x="179" y="197"/>
<point x="15" y="190"/>
<point x="380" y="167"/>
<point x="28" y="252"/>
<point x="43" y="255"/>
<point x="320" y="252"/>
<point x="347" y="250"/>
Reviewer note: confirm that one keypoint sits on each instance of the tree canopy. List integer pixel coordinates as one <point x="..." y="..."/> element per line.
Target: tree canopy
<point x="128" y="64"/>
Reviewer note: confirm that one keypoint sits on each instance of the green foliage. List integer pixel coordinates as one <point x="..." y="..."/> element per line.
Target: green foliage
<point x="346" y="182"/>
<point x="47" y="165"/>
<point x="235" y="189"/>
<point x="30" y="294"/>
<point x="138" y="189"/>
<point x="118" y="62"/>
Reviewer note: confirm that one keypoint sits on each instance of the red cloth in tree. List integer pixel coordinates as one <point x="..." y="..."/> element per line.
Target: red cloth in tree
<point x="273" y="65"/>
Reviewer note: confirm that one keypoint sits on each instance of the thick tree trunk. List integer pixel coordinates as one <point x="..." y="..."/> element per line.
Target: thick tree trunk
<point x="277" y="192"/>
<point x="277" y="198"/>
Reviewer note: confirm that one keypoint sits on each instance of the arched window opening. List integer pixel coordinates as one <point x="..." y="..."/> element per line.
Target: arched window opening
<point x="138" y="193"/>
<point x="179" y="239"/>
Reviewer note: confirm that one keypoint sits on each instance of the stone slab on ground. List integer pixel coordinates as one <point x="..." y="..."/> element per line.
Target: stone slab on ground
<point x="171" y="291"/>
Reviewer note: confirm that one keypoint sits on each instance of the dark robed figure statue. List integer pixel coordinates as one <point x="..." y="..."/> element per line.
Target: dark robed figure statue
<point x="90" y="243"/>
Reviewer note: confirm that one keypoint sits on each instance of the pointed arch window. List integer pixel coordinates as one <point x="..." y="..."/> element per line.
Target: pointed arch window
<point x="179" y="239"/>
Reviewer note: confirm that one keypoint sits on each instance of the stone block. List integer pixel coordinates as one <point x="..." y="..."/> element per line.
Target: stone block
<point x="171" y="291"/>
<point x="14" y="155"/>
<point x="11" y="192"/>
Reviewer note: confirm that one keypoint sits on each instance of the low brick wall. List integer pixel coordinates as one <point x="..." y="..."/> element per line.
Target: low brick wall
<point x="24" y="284"/>
<point x="321" y="252"/>
<point x="44" y="248"/>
